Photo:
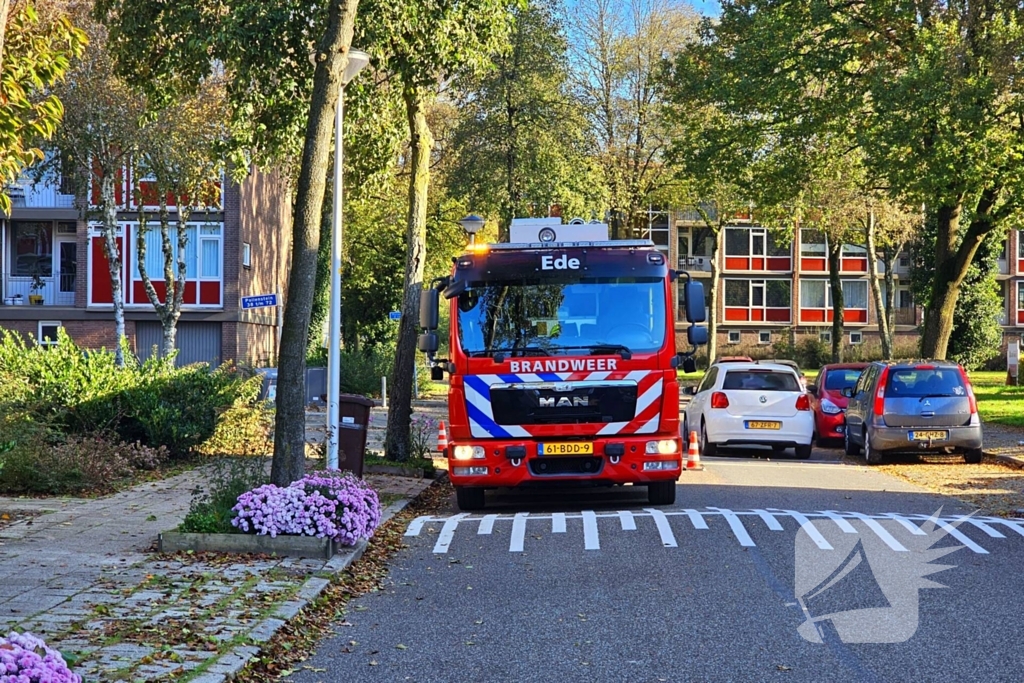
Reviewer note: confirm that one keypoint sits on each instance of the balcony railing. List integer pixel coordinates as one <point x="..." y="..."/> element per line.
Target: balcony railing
<point x="696" y="263"/>
<point x="57" y="289"/>
<point x="41" y="195"/>
<point x="906" y="316"/>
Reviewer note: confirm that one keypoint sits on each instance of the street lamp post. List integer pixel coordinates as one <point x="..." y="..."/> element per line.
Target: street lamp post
<point x="472" y="224"/>
<point x="356" y="62"/>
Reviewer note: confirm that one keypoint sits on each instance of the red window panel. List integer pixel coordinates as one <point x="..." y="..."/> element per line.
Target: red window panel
<point x="737" y="263"/>
<point x="855" y="315"/>
<point x="757" y="263"/>
<point x="777" y="315"/>
<point x="102" y="293"/>
<point x="209" y="293"/>
<point x="854" y="265"/>
<point x="140" y="297"/>
<point x="818" y="265"/>
<point x="812" y="315"/>
<point x="738" y="314"/>
<point x="757" y="314"/>
<point x="1020" y="317"/>
<point x="779" y="263"/>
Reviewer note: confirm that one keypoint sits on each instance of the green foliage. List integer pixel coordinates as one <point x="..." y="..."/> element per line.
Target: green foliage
<point x="520" y="143"/>
<point x="227" y="479"/>
<point x="808" y="352"/>
<point x="36" y="55"/>
<point x="76" y="392"/>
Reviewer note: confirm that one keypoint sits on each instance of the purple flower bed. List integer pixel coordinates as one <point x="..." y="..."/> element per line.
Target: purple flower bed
<point x="26" y="659"/>
<point x="324" y="504"/>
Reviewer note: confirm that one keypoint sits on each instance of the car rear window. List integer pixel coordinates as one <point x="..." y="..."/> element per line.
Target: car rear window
<point x="917" y="382"/>
<point x="837" y="380"/>
<point x="760" y="380"/>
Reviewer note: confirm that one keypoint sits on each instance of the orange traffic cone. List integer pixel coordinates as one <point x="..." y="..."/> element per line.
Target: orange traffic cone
<point x="693" y="455"/>
<point x="442" y="437"/>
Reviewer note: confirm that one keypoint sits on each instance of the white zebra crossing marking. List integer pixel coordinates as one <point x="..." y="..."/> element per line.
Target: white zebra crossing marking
<point x="698" y="519"/>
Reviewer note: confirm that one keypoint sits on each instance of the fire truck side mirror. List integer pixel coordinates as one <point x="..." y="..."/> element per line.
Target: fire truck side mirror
<point x="437" y="373"/>
<point x="690" y="365"/>
<point x="427" y="342"/>
<point x="429" y="311"/>
<point x="695" y="311"/>
<point x="697" y="335"/>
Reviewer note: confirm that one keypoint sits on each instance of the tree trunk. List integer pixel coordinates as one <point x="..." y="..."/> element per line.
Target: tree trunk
<point x="835" y="251"/>
<point x="951" y="264"/>
<point x="113" y="253"/>
<point x="889" y="256"/>
<point x="290" y="424"/>
<point x="881" y="311"/>
<point x="713" y="298"/>
<point x="318" y="317"/>
<point x="397" y="445"/>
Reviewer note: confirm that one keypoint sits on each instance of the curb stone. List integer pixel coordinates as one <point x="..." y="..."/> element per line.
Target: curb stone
<point x="227" y="666"/>
<point x="1011" y="460"/>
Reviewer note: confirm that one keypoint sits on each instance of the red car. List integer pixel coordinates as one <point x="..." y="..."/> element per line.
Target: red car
<point x="828" y="402"/>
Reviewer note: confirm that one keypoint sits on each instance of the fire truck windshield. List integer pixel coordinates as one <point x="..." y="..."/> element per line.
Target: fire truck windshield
<point x="545" y="317"/>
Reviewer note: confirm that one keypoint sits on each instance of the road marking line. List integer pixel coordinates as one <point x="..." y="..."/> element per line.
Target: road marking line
<point x="1008" y="523"/>
<point x="416" y="525"/>
<point x="486" y="525"/>
<point x="956" y="533"/>
<point x="444" y="539"/>
<point x="769" y="519"/>
<point x="627" y="520"/>
<point x="809" y="529"/>
<point x="737" y="527"/>
<point x="558" y="523"/>
<point x="515" y="544"/>
<point x="981" y="525"/>
<point x="668" y="539"/>
<point x="840" y="522"/>
<point x="696" y="519"/>
<point x="907" y="524"/>
<point x="880" y="531"/>
<point x="590" y="540"/>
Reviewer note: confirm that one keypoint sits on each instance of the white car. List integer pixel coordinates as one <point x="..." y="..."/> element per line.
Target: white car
<point x="750" y="403"/>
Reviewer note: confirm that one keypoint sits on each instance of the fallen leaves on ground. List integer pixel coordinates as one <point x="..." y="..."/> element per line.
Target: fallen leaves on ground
<point x="994" y="488"/>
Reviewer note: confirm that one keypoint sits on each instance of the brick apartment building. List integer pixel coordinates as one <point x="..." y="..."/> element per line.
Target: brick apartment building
<point x="54" y="273"/>
<point x="766" y="288"/>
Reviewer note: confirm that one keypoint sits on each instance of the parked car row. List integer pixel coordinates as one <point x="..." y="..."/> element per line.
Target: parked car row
<point x="883" y="408"/>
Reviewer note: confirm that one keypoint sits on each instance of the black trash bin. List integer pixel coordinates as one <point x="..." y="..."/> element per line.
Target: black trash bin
<point x="353" y="422"/>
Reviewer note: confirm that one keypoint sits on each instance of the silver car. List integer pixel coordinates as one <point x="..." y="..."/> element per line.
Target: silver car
<point x="913" y="407"/>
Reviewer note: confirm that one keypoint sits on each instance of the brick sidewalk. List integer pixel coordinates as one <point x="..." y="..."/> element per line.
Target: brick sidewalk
<point x="80" y="574"/>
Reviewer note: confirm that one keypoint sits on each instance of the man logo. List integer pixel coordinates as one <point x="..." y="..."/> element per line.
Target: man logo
<point x="564" y="402"/>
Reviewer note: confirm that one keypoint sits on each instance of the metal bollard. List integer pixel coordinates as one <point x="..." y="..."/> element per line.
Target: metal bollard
<point x="384" y="392"/>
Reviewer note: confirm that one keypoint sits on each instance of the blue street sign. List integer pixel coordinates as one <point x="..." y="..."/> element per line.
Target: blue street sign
<point x="395" y="315"/>
<point x="260" y="301"/>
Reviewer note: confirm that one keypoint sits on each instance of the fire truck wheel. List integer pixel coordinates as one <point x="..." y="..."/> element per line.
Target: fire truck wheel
<point x="469" y="498"/>
<point x="661" y="492"/>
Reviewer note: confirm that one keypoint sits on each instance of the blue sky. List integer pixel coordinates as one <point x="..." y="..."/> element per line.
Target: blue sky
<point x="709" y="8"/>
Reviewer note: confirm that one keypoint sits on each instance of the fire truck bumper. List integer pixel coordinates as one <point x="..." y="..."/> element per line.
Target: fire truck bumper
<point x="636" y="459"/>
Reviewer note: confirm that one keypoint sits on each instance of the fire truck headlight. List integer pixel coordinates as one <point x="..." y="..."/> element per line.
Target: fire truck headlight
<point x="663" y="447"/>
<point x="468" y="453"/>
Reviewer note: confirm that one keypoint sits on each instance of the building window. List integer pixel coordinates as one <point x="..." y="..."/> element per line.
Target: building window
<point x="657" y="228"/>
<point x="737" y="242"/>
<point x="48" y="332"/>
<point x="825" y="336"/>
<point x="904" y="260"/>
<point x="737" y="293"/>
<point x="856" y="337"/>
<point x="855" y="294"/>
<point x="246" y="255"/>
<point x="812" y="243"/>
<point x="764" y="337"/>
<point x="31" y="248"/>
<point x="703" y="241"/>
<point x="734" y="336"/>
<point x="854" y="251"/>
<point x="760" y="300"/>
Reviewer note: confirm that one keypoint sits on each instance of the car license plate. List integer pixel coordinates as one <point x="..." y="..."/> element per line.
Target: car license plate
<point x="566" y="448"/>
<point x="929" y="435"/>
<point x="761" y="424"/>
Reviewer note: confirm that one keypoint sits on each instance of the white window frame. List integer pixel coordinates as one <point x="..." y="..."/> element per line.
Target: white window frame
<point x="856" y="338"/>
<point x="39" y="332"/>
<point x="734" y="336"/>
<point x="246" y="255"/>
<point x="825" y="336"/>
<point x="761" y="337"/>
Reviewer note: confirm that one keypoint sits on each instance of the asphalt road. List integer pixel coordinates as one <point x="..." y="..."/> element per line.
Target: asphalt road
<point x="596" y="586"/>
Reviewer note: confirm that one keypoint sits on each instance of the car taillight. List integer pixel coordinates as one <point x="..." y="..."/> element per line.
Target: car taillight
<point x="970" y="391"/>
<point x="803" y="402"/>
<point x="880" y="394"/>
<point x="719" y="400"/>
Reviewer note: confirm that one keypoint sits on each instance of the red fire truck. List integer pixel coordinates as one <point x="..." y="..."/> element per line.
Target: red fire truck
<point x="562" y="365"/>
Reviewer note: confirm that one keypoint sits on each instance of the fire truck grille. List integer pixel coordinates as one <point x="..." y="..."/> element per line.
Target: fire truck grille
<point x="556" y="465"/>
<point x="553" y="404"/>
